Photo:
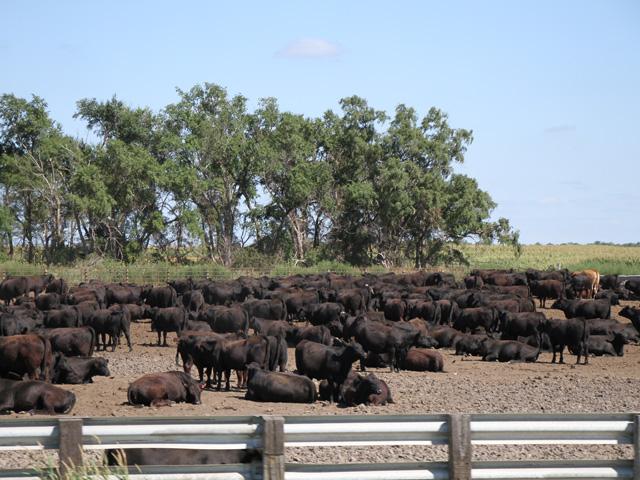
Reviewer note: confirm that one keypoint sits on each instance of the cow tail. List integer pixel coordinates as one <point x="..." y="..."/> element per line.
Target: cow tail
<point x="267" y="360"/>
<point x="284" y="309"/>
<point x="178" y="353"/>
<point x="93" y="341"/>
<point x="313" y="393"/>
<point x="45" y="364"/>
<point x="585" y="338"/>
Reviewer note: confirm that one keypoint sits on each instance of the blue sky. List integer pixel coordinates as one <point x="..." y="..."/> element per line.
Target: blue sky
<point x="551" y="89"/>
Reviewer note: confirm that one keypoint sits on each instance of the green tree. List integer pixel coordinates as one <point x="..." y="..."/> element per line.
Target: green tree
<point x="294" y="175"/>
<point x="36" y="159"/>
<point x="124" y="170"/>
<point x="210" y="139"/>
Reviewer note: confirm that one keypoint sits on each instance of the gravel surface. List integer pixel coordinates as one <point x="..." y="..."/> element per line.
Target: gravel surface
<point x="468" y="385"/>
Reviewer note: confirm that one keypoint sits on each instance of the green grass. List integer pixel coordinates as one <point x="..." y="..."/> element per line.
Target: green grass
<point x="607" y="259"/>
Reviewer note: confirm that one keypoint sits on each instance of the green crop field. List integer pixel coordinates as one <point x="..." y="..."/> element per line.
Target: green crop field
<point x="607" y="259"/>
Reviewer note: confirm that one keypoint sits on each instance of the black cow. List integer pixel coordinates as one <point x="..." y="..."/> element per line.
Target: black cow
<point x="237" y="354"/>
<point x="584" y="308"/>
<point x="377" y="337"/>
<point x="469" y="344"/>
<point x="509" y="351"/>
<point x="323" y="362"/>
<point x="179" y="456"/>
<point x="193" y="300"/>
<point x="325" y="313"/>
<point x="77" y="370"/>
<point x="165" y="320"/>
<point x="160" y="297"/>
<point x="544" y="289"/>
<point x="573" y="332"/>
<point x="471" y="318"/>
<point x="72" y="342"/>
<point x="633" y="284"/>
<point x="270" y="327"/>
<point x="318" y="334"/>
<point x="224" y="319"/>
<point x="632" y="314"/>
<point x="112" y="324"/>
<point x="13" y="287"/>
<point x="160" y="389"/>
<point x="18" y="323"/>
<point x="65" y="317"/>
<point x="610" y="345"/>
<point x="274" y="309"/>
<point x="355" y="390"/>
<point x="446" y="337"/>
<point x="522" y="324"/>
<point x="48" y="301"/>
<point x="34" y="396"/>
<point x="59" y="286"/>
<point x="265" y="386"/>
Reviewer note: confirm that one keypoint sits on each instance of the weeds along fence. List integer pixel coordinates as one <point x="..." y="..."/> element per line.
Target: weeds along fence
<point x="158" y="274"/>
<point x="272" y="436"/>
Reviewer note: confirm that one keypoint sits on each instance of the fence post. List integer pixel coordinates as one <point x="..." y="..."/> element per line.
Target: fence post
<point x="636" y="447"/>
<point x="70" y="445"/>
<point x="272" y="448"/>
<point x="459" y="447"/>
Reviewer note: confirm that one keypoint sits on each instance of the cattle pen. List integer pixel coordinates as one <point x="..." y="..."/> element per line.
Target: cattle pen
<point x="272" y="435"/>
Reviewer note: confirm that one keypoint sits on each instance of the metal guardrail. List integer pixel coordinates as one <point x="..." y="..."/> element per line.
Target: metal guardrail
<point x="272" y="435"/>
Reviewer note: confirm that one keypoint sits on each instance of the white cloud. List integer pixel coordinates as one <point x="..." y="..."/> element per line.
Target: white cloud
<point x="550" y="200"/>
<point x="560" y="129"/>
<point x="310" y="48"/>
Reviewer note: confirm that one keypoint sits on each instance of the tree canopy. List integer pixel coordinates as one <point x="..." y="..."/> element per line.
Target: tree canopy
<point x="205" y="174"/>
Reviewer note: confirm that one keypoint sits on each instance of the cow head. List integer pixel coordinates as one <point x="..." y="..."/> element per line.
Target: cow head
<point x="100" y="367"/>
<point x="192" y="389"/>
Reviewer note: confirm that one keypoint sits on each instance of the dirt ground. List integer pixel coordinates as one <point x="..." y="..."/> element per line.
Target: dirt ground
<point x="468" y="385"/>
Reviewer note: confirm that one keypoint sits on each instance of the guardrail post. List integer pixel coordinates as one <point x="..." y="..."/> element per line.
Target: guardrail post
<point x="636" y="447"/>
<point x="70" y="445"/>
<point x="459" y="447"/>
<point x="272" y="448"/>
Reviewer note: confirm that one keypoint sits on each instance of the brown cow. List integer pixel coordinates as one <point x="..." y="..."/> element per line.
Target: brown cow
<point x="25" y="354"/>
<point x="594" y="278"/>
<point x="160" y="389"/>
<point x="34" y="396"/>
<point x="72" y="342"/>
<point x="423" y="360"/>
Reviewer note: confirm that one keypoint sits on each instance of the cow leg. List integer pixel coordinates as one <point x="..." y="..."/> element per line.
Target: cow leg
<point x="164" y="341"/>
<point x="227" y="376"/>
<point x="392" y="359"/>
<point x="159" y="337"/>
<point x="561" y="353"/>
<point x="127" y="335"/>
<point x="114" y="342"/>
<point x="219" y="375"/>
<point x="362" y="366"/>
<point x="553" y="348"/>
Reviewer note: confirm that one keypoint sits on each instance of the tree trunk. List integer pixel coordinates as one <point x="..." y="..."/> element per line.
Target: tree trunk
<point x="298" y="234"/>
<point x="28" y="229"/>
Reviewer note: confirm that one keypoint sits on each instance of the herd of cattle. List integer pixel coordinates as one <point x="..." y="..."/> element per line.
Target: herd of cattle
<point x="49" y="331"/>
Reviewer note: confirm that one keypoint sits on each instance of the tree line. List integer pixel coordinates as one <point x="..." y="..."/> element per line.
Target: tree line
<point x="205" y="173"/>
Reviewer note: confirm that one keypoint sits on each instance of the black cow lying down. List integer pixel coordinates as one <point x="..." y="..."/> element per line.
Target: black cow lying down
<point x="160" y="389"/>
<point x="179" y="456"/>
<point x="509" y="351"/>
<point x="265" y="386"/>
<point x="358" y="389"/>
<point x="35" y="397"/>
<point x="76" y="370"/>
